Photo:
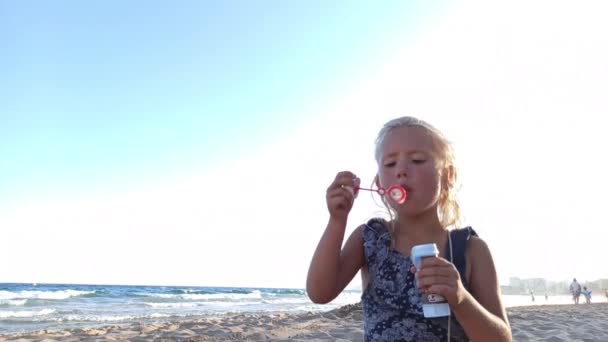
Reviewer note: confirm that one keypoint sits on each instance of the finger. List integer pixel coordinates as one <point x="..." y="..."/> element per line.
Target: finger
<point x="341" y="192"/>
<point x="344" y="176"/>
<point x="349" y="189"/>
<point x="356" y="185"/>
<point x="437" y="270"/>
<point x="424" y="282"/>
<point x="340" y="202"/>
<point x="442" y="290"/>
<point x="434" y="261"/>
<point x="346" y="180"/>
<point x="342" y="180"/>
<point x="445" y="276"/>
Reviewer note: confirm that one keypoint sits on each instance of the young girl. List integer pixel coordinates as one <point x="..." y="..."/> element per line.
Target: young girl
<point x="413" y="154"/>
<point x="587" y="294"/>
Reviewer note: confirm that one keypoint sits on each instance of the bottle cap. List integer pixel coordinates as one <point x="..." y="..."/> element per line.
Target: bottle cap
<point x="420" y="251"/>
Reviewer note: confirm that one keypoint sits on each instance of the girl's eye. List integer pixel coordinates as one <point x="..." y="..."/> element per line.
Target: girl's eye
<point x="390" y="164"/>
<point x="418" y="161"/>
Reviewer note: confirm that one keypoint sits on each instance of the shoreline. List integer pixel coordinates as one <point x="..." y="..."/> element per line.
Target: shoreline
<point x="557" y="322"/>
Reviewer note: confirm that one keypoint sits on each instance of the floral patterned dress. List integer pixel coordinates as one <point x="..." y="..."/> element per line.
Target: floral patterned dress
<point x="392" y="307"/>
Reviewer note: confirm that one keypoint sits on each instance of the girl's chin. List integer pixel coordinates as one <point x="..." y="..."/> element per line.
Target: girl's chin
<point x="404" y="209"/>
<point x="409" y="209"/>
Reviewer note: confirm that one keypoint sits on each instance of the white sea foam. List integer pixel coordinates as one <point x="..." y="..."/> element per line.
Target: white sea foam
<point x="282" y="301"/>
<point x="18" y="314"/>
<point x="96" y="318"/>
<point x="110" y="318"/>
<point x="172" y="305"/>
<point x="159" y="315"/>
<point x="313" y="308"/>
<point x="199" y="304"/>
<point x="56" y="295"/>
<point x="13" y="302"/>
<point x="229" y="304"/>
<point x="256" y="294"/>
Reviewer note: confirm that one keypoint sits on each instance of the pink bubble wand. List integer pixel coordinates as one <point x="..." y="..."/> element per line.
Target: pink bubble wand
<point x="395" y="192"/>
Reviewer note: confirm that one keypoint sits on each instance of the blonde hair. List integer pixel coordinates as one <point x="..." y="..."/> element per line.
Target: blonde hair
<point x="448" y="208"/>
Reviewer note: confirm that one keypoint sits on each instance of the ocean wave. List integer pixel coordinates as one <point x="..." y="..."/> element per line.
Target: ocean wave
<point x="229" y="304"/>
<point x="159" y="315"/>
<point x="109" y="318"/>
<point x="199" y="304"/>
<point x="23" y="314"/>
<point x="214" y="291"/>
<point x="281" y="292"/>
<point x="172" y="305"/>
<point x="192" y="291"/>
<point x="296" y="300"/>
<point x="52" y="295"/>
<point x="255" y="294"/>
<point x="312" y="308"/>
<point x="13" y="302"/>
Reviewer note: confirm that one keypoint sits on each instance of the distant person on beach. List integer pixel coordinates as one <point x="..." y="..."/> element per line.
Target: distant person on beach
<point x="414" y="155"/>
<point x="606" y="293"/>
<point x="587" y="294"/>
<point x="575" y="289"/>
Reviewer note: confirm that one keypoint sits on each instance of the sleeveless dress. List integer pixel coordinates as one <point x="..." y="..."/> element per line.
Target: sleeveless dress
<point x="392" y="306"/>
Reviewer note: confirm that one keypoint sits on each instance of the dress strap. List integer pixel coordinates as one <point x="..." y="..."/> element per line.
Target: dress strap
<point x="460" y="237"/>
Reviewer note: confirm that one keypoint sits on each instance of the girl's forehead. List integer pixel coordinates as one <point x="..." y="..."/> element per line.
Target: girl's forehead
<point x="409" y="139"/>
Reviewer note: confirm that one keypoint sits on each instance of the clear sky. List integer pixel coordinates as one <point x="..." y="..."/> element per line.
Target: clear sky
<point x="192" y="143"/>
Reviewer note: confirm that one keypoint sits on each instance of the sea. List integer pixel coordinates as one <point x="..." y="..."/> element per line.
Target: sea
<point x="32" y="307"/>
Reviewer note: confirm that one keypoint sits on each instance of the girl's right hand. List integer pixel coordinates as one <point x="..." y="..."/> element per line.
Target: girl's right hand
<point x="341" y="194"/>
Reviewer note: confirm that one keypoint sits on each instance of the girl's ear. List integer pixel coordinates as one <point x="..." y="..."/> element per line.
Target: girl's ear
<point x="448" y="177"/>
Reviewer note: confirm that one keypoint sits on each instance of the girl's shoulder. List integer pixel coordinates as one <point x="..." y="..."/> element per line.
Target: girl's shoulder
<point x="376" y="224"/>
<point x="475" y="244"/>
<point x="375" y="236"/>
<point x="374" y="229"/>
<point x="466" y="233"/>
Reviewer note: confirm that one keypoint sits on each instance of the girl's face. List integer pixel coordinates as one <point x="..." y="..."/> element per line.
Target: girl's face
<point x="408" y="159"/>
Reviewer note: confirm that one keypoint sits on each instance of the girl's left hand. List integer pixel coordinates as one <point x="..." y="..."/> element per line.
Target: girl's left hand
<point x="439" y="276"/>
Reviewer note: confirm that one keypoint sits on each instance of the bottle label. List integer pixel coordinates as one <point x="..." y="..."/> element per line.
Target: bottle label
<point x="432" y="299"/>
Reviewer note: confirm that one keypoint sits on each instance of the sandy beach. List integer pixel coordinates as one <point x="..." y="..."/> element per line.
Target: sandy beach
<point x="533" y="323"/>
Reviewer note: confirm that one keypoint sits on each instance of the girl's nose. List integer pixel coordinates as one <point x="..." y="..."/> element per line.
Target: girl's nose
<point x="401" y="173"/>
<point x="401" y="168"/>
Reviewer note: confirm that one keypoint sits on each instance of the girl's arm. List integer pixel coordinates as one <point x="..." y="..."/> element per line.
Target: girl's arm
<point x="331" y="269"/>
<point x="481" y="312"/>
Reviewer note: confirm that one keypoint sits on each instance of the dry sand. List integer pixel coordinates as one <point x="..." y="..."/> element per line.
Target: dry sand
<point x="534" y="323"/>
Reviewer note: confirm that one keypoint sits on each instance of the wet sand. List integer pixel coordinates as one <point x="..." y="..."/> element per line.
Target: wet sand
<point x="554" y="323"/>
